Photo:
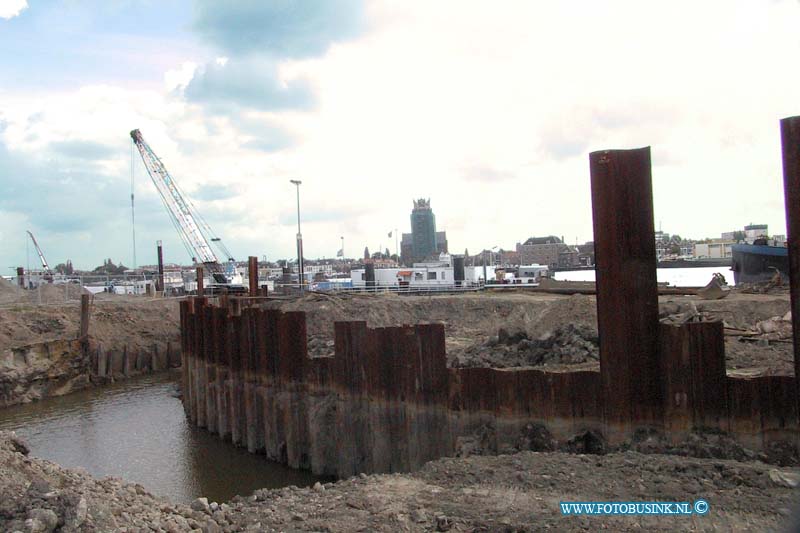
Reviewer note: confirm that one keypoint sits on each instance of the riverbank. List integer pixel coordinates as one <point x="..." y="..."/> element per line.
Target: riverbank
<point x="519" y="492"/>
<point x="41" y="354"/>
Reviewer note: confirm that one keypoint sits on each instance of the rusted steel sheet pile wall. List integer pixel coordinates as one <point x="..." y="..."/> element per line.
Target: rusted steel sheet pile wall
<point x="387" y="402"/>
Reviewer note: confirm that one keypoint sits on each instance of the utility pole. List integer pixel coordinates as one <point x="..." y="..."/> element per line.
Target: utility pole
<point x="300" y="270"/>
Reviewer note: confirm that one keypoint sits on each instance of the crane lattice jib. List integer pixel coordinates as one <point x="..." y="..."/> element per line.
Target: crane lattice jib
<point x="179" y="209"/>
<point x="45" y="266"/>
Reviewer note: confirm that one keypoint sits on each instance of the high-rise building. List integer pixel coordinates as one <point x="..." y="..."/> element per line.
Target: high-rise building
<point x="424" y="241"/>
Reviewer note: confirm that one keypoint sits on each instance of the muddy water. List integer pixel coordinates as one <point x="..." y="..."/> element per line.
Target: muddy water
<point x="136" y="430"/>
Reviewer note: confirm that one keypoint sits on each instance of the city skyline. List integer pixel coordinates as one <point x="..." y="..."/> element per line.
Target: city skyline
<point x="491" y="113"/>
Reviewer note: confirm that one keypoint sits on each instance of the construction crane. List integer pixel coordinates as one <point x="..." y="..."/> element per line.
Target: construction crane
<point x="48" y="274"/>
<point x="195" y="233"/>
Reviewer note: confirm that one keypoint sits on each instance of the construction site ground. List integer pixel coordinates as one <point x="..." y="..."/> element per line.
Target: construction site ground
<point x="482" y="329"/>
<point x="516" y="492"/>
<point x="115" y="320"/>
<point x="549" y="331"/>
<point x="510" y="493"/>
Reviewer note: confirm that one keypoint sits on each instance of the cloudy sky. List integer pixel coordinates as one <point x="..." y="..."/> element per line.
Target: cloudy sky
<point x="488" y="108"/>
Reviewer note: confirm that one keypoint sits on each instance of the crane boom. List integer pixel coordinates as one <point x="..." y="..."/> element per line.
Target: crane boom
<point x="180" y="210"/>
<point x="45" y="266"/>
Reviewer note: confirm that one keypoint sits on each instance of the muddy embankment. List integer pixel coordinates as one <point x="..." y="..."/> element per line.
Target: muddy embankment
<point x="519" y="492"/>
<point x="41" y="354"/>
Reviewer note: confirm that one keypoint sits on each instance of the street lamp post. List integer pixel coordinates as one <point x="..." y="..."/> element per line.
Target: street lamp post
<point x="300" y="269"/>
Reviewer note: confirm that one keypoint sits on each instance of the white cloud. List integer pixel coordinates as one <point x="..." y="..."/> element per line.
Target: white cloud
<point x="178" y="79"/>
<point x="11" y="8"/>
<point x="489" y="110"/>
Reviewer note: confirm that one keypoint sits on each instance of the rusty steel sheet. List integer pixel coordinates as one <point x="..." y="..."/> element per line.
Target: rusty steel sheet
<point x="348" y="362"/>
<point x="292" y="346"/>
<point x="790" y="144"/>
<point x="199" y="275"/>
<point x="627" y="292"/>
<point x="252" y="274"/>
<point x="693" y="376"/>
<point x="249" y="377"/>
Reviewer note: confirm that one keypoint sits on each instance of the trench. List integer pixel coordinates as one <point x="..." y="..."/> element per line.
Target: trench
<point x="136" y="430"/>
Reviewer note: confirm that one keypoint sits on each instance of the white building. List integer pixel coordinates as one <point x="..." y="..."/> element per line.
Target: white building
<point x="713" y="250"/>
<point x="531" y="273"/>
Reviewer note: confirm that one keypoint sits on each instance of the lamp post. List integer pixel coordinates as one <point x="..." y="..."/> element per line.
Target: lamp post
<point x="342" y="237"/>
<point x="300" y="269"/>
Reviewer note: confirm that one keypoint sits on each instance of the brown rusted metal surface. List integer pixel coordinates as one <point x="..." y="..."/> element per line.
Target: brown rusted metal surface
<point x="160" y="255"/>
<point x="693" y="378"/>
<point x="790" y="142"/>
<point x="199" y="274"/>
<point x="387" y="401"/>
<point x="252" y="274"/>
<point x="627" y="292"/>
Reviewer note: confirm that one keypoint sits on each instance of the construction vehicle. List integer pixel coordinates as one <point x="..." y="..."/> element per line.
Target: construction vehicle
<point x="194" y="232"/>
<point x="47" y="273"/>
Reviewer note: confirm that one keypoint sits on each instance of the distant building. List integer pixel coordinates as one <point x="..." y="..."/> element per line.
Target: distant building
<point x="441" y="242"/>
<point x="586" y="254"/>
<point x="755" y="231"/>
<point x="550" y="251"/>
<point x="424" y="241"/>
<point x="713" y="250"/>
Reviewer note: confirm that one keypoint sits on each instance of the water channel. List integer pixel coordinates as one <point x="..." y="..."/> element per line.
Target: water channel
<point x="136" y="430"/>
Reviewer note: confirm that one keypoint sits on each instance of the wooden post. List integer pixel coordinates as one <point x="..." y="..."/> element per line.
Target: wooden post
<point x="200" y="281"/>
<point x="84" y="332"/>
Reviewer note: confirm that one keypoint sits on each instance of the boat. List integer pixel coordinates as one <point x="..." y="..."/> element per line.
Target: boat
<point x="758" y="262"/>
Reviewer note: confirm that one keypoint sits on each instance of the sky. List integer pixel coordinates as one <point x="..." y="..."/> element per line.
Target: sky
<point x="490" y="109"/>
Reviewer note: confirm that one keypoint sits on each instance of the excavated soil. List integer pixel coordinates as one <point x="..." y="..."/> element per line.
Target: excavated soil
<point x="115" y="321"/>
<point x="499" y="330"/>
<point x="519" y="493"/>
<point x="44" y="294"/>
<point x="552" y="331"/>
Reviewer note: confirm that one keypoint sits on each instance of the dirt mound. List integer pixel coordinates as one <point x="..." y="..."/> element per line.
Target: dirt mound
<point x="137" y="324"/>
<point x="9" y="293"/>
<point x="568" y="345"/>
<point x="559" y="331"/>
<point x="49" y="293"/>
<point x="46" y="293"/>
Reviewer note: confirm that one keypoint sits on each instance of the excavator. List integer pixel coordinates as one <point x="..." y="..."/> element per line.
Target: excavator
<point x="194" y="232"/>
